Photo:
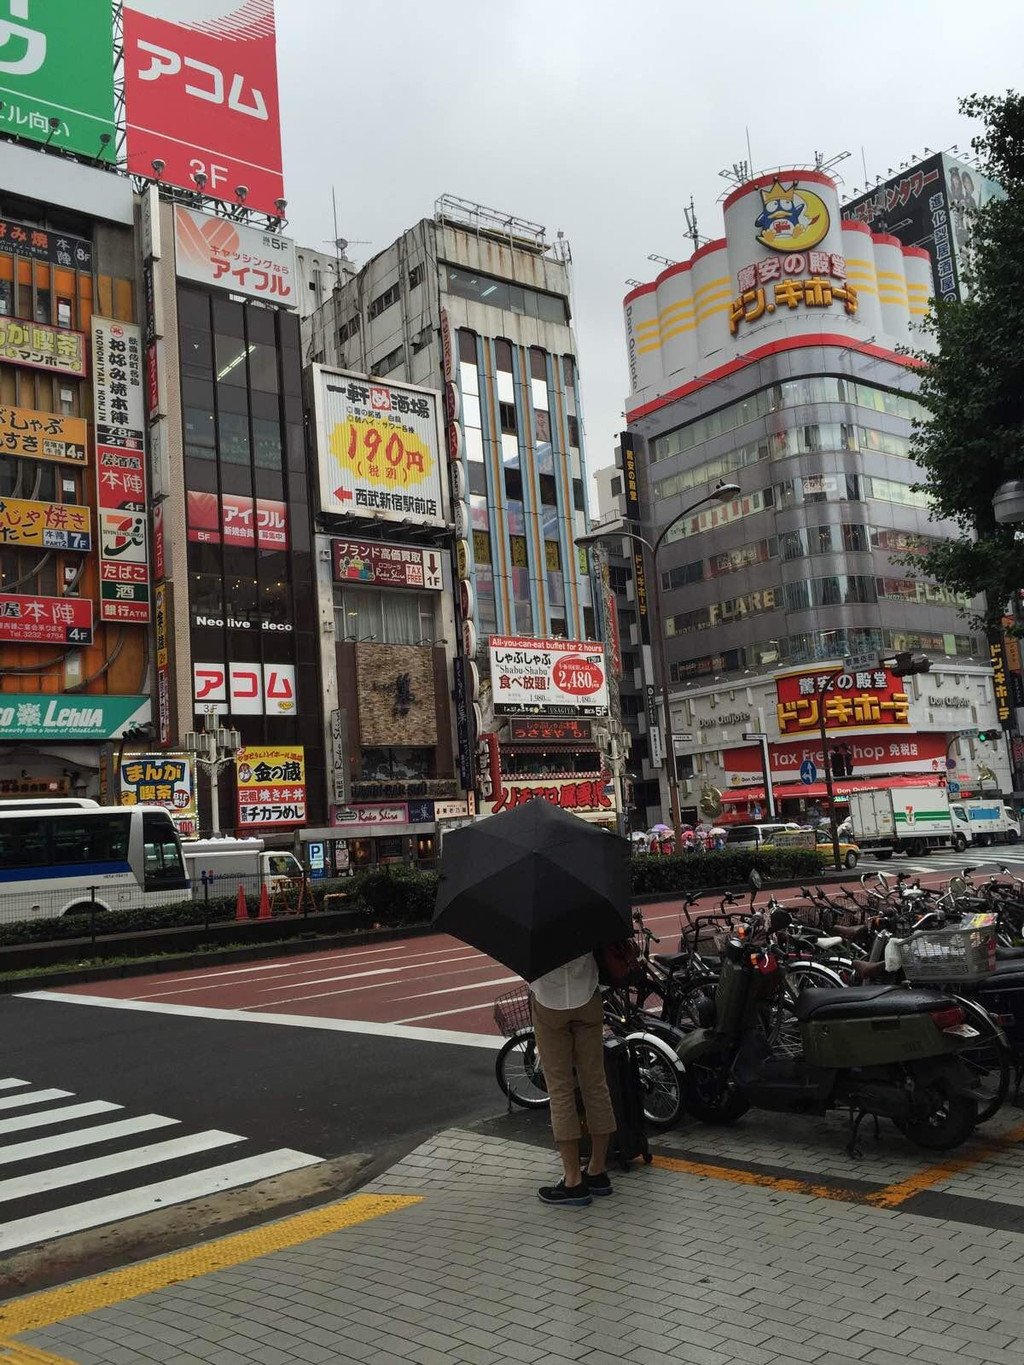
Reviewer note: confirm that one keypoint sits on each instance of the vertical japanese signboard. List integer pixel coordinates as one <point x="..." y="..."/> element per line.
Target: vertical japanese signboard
<point x="57" y="74"/>
<point x="163" y="663"/>
<point x="630" y="487"/>
<point x="1000" y="683"/>
<point x="118" y="403"/>
<point x="271" y="786"/>
<point x="201" y="96"/>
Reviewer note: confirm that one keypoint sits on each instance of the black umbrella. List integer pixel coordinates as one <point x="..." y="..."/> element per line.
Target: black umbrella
<point x="534" y="887"/>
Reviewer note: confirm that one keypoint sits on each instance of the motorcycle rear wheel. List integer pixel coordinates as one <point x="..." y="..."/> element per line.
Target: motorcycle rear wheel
<point x="710" y="1096"/>
<point x="946" y="1127"/>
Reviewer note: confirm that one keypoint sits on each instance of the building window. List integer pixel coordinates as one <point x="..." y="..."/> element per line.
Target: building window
<point x="616" y="487"/>
<point x="507" y="416"/>
<point x="683" y="574"/>
<point x="467" y="347"/>
<point x="574" y="432"/>
<point x="589" y="624"/>
<point x="348" y="329"/>
<point x="416" y="275"/>
<point x="503" y="355"/>
<point x="514" y="298"/>
<point x="386" y="618"/>
<point x="383" y="301"/>
<point x="389" y="362"/>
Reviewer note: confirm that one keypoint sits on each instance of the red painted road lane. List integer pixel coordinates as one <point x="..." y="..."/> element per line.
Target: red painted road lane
<point x="431" y="982"/>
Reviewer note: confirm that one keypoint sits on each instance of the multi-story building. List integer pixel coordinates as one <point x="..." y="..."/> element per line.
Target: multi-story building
<point x="771" y="359"/>
<point x="477" y="303"/>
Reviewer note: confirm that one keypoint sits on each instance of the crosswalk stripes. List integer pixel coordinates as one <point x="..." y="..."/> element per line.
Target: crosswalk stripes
<point x="35" y="1179"/>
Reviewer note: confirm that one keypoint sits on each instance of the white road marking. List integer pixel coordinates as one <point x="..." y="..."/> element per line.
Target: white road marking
<point x="32" y="1097"/>
<point x="81" y="1137"/>
<point x="354" y="990"/>
<point x="63" y="1115"/>
<point x="93" y="1213"/>
<point x="458" y="990"/>
<point x="345" y="976"/>
<point x="416" y="1035"/>
<point x="78" y="1172"/>
<point x="442" y="1014"/>
<point x="11" y="1084"/>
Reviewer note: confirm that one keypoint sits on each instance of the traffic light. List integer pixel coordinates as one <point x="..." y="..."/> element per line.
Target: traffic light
<point x="905" y="663"/>
<point x="989" y="736"/>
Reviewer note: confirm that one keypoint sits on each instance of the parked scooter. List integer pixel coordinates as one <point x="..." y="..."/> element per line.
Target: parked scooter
<point x="881" y="1050"/>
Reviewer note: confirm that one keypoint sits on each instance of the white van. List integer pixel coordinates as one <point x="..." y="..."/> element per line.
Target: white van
<point x="226" y="860"/>
<point x="983" y="822"/>
<point x="753" y="836"/>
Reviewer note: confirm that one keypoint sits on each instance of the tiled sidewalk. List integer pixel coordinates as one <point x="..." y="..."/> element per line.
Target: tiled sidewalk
<point x="674" y="1268"/>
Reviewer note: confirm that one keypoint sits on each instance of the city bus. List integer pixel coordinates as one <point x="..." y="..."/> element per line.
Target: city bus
<point x="87" y="859"/>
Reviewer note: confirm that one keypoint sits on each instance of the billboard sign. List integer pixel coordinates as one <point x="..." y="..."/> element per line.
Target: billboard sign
<point x="224" y="255"/>
<point x="271" y="786"/>
<point x="33" y="344"/>
<point x="163" y="780"/>
<point x="57" y="63"/>
<point x="200" y="82"/>
<point x="33" y="715"/>
<point x="40" y="244"/>
<point x="31" y="435"/>
<point x="548" y="677"/>
<point x="244" y="689"/>
<point x="45" y="620"/>
<point x="118" y="383"/>
<point x="235" y="519"/>
<point x="49" y="525"/>
<point x="379" y="449"/>
<point x="391" y="566"/>
<point x="862" y="699"/>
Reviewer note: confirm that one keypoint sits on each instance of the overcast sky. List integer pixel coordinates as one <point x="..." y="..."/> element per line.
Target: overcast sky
<point x="603" y="118"/>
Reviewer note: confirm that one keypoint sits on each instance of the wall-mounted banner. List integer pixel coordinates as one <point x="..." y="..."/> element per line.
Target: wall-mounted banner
<point x="374" y="817"/>
<point x="42" y="348"/>
<point x="234" y="519"/>
<point x="548" y="677"/>
<point x="565" y="731"/>
<point x="119" y="409"/>
<point x="201" y="96"/>
<point x="163" y="780"/>
<point x="39" y="244"/>
<point x="271" y="786"/>
<point x="385" y="565"/>
<point x="1000" y="683"/>
<point x="244" y="689"/>
<point x="227" y="255"/>
<point x="45" y="620"/>
<point x="51" y="525"/>
<point x="378" y="449"/>
<point x="34" y="715"/>
<point x="630" y="485"/>
<point x="57" y="75"/>
<point x="43" y="436"/>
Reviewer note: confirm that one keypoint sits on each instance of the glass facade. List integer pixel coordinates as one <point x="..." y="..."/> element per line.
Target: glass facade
<point x="250" y="565"/>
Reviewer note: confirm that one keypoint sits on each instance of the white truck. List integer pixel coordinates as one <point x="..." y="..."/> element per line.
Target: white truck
<point x="982" y="822"/>
<point x="242" y="860"/>
<point x="914" y="819"/>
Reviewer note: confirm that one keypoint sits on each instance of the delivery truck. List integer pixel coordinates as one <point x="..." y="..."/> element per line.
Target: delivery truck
<point x="983" y="822"/>
<point x="892" y="820"/>
<point x="228" y="862"/>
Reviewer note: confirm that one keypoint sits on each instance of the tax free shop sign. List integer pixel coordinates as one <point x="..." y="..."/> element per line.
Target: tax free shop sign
<point x="47" y="717"/>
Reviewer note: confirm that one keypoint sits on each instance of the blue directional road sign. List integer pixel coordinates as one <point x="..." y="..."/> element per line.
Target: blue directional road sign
<point x="953" y="788"/>
<point x="808" y="772"/>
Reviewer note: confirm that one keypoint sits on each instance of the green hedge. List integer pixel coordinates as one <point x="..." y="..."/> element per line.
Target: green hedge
<point x="694" y="871"/>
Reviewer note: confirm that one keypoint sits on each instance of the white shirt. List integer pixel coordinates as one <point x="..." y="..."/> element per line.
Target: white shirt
<point x="568" y="987"/>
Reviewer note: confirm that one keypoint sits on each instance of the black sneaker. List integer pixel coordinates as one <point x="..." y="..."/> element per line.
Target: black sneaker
<point x="576" y="1198"/>
<point x="599" y="1184"/>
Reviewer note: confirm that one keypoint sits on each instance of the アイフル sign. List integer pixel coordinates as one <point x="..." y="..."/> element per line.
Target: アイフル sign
<point x="218" y="253"/>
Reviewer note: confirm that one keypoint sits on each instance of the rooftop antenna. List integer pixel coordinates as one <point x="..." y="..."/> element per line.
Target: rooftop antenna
<point x="342" y="244"/>
<point x="825" y="163"/>
<point x="864" y="164"/>
<point x="692" y="232"/>
<point x="661" y="260"/>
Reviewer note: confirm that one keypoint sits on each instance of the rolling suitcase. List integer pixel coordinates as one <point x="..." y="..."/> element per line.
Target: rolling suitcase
<point x="624" y="1085"/>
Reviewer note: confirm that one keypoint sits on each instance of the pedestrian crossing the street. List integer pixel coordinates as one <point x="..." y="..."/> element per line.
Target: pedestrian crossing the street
<point x="68" y="1165"/>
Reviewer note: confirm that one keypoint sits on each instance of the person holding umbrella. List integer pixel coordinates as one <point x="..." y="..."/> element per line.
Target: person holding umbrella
<point x="541" y="891"/>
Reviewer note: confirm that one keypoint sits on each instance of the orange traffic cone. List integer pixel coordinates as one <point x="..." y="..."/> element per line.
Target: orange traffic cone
<point x="264" y="903"/>
<point x="241" y="908"/>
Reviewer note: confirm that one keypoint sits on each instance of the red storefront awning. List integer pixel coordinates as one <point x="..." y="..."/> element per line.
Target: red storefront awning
<point x="842" y="786"/>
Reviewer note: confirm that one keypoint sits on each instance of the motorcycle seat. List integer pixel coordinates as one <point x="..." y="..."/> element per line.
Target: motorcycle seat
<point x="827" y="944"/>
<point x="1009" y="954"/>
<point x="856" y="1002"/>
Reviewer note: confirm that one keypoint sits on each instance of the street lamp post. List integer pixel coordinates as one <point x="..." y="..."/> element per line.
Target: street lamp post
<point x="823" y="687"/>
<point x="721" y="493"/>
<point x="214" y="748"/>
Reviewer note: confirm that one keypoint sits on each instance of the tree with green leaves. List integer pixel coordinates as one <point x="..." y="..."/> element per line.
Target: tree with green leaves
<point x="973" y="389"/>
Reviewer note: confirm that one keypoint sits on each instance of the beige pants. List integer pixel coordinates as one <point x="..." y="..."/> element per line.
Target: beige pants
<point x="573" y="1041"/>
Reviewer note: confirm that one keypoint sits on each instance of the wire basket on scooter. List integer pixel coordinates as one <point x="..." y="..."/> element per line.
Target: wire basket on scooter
<point x="512" y="1012"/>
<point x="964" y="953"/>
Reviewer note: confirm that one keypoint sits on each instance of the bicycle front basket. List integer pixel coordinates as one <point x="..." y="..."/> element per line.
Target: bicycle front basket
<point x="512" y="1011"/>
<point x="966" y="952"/>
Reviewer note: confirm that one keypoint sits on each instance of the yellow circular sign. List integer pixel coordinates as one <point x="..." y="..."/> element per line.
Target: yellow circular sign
<point x="792" y="218"/>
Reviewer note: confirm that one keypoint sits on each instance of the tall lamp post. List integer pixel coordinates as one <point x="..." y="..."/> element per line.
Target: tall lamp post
<point x="723" y="492"/>
<point x="761" y="739"/>
<point x="214" y="748"/>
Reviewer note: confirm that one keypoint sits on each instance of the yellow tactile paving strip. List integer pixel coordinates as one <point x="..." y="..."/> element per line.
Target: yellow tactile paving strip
<point x="103" y="1291"/>
<point x="11" y="1353"/>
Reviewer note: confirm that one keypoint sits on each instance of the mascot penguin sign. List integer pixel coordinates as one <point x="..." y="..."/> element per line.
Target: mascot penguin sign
<point x="792" y="219"/>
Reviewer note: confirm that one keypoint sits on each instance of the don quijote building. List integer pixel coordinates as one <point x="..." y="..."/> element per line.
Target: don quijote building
<point x="775" y="358"/>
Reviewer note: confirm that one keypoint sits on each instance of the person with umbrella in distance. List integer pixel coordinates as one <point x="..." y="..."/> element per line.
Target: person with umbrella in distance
<point x="541" y="891"/>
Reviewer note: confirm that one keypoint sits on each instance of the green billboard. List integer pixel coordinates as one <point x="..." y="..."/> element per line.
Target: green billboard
<point x="33" y="715"/>
<point x="57" y="74"/>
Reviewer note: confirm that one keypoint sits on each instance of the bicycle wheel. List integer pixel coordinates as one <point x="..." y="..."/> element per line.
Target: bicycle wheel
<point x="661" y="1084"/>
<point x="990" y="1060"/>
<point x="519" y="1073"/>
